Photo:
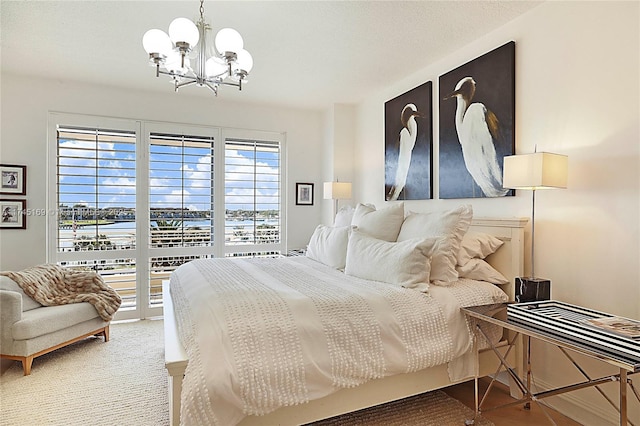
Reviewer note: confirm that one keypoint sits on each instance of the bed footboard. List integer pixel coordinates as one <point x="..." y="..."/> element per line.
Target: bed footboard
<point x="175" y="357"/>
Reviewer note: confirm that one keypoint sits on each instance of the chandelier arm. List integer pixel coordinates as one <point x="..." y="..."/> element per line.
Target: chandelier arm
<point x="185" y="84"/>
<point x="230" y="83"/>
<point x="214" y="88"/>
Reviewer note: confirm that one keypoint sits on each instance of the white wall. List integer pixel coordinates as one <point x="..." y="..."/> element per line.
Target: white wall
<point x="577" y="93"/>
<point x="26" y="103"/>
<point x="338" y="161"/>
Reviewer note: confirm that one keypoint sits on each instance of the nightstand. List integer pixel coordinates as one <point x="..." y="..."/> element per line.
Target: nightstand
<point x="566" y="327"/>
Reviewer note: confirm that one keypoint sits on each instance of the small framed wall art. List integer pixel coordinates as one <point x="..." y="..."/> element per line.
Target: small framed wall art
<point x="13" y="179"/>
<point x="304" y="194"/>
<point x="13" y="214"/>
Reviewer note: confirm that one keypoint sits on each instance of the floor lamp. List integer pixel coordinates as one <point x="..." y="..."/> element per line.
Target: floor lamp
<point x="540" y="170"/>
<point x="337" y="191"/>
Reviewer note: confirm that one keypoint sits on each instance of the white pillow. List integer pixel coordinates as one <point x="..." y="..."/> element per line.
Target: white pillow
<point x="478" y="269"/>
<point x="344" y="216"/>
<point x="406" y="263"/>
<point x="383" y="224"/>
<point x="449" y="224"/>
<point x="328" y="245"/>
<point x="477" y="245"/>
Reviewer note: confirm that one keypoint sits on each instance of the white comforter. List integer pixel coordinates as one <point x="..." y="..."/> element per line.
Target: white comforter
<point x="265" y="333"/>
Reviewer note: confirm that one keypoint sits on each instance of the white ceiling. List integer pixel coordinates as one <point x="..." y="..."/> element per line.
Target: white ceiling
<point x="307" y="54"/>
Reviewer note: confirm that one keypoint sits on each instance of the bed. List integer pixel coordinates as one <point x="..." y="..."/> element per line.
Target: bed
<point x="371" y="386"/>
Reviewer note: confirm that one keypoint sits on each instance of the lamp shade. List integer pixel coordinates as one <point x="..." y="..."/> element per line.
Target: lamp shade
<point x="540" y="170"/>
<point x="337" y="191"/>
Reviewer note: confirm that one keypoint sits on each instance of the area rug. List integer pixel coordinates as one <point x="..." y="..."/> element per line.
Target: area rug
<point x="121" y="382"/>
<point x="430" y="409"/>
<point x="124" y="382"/>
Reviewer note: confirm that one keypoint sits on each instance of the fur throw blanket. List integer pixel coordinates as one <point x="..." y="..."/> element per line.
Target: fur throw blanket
<point x="50" y="284"/>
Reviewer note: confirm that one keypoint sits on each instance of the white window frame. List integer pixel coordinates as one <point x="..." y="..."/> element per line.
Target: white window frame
<point x="143" y="253"/>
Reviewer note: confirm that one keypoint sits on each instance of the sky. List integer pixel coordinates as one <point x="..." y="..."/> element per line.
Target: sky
<point x="178" y="176"/>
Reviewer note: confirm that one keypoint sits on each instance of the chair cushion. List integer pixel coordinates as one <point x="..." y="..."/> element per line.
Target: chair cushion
<point x="45" y="320"/>
<point x="28" y="303"/>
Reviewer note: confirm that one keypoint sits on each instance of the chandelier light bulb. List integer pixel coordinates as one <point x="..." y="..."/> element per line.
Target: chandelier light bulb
<point x="215" y="67"/>
<point x="157" y="41"/>
<point x="244" y="61"/>
<point x="183" y="30"/>
<point x="229" y="40"/>
<point x="174" y="62"/>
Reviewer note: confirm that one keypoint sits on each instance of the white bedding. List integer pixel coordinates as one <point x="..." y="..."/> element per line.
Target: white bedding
<point x="266" y="333"/>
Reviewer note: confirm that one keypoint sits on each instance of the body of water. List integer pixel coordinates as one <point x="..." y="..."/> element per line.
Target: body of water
<point x="122" y="234"/>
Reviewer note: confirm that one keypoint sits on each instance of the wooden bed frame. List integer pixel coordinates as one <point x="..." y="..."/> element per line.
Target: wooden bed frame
<point x="508" y="260"/>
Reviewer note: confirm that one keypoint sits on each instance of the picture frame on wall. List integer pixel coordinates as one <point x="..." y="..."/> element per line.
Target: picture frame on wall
<point x="13" y="214"/>
<point x="408" y="145"/>
<point x="304" y="194"/>
<point x="477" y="125"/>
<point x="13" y="179"/>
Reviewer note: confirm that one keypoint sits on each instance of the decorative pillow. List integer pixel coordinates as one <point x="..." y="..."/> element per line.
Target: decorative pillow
<point x="383" y="224"/>
<point x="478" y="269"/>
<point x="28" y="303"/>
<point x="477" y="245"/>
<point x="449" y="224"/>
<point x="328" y="245"/>
<point x="405" y="263"/>
<point x="344" y="216"/>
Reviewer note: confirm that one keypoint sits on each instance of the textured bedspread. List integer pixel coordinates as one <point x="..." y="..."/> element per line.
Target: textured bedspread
<point x="265" y="333"/>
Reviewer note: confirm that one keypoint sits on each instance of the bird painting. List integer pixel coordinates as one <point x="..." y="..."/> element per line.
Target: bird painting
<point x="406" y="142"/>
<point x="478" y="129"/>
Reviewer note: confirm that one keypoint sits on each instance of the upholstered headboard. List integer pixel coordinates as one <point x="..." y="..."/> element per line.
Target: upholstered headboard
<point x="509" y="259"/>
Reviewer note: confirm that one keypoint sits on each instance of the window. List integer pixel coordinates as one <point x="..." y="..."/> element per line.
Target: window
<point x="135" y="200"/>
<point x="252" y="196"/>
<point x="96" y="204"/>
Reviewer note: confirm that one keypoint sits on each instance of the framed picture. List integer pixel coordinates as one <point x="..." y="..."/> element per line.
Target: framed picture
<point x="13" y="214"/>
<point x="408" y="145"/>
<point x="477" y="125"/>
<point x="304" y="194"/>
<point x="13" y="179"/>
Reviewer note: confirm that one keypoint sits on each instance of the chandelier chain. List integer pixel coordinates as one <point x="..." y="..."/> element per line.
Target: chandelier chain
<point x="202" y="10"/>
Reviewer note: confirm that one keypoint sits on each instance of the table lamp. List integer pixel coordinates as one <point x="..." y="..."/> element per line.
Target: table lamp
<point x="540" y="170"/>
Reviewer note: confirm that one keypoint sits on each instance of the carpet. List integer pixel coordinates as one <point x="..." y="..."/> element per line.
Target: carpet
<point x="123" y="382"/>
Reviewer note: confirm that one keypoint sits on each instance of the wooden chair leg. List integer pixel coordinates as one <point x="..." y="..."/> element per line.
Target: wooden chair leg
<point x="26" y="365"/>
<point x="104" y="333"/>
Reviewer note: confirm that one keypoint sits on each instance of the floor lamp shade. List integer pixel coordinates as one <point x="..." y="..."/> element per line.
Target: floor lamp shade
<point x="337" y="191"/>
<point x="540" y="170"/>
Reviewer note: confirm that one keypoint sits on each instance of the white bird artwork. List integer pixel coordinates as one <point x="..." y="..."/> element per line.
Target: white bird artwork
<point x="406" y="142"/>
<point x="477" y="129"/>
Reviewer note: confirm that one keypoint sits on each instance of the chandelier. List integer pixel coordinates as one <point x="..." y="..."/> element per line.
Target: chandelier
<point x="228" y="64"/>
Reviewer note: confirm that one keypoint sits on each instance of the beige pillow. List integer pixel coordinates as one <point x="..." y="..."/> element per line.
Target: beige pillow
<point x="383" y="224"/>
<point x="328" y="245"/>
<point x="478" y="269"/>
<point x="405" y="263"/>
<point x="477" y="245"/>
<point x="451" y="225"/>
